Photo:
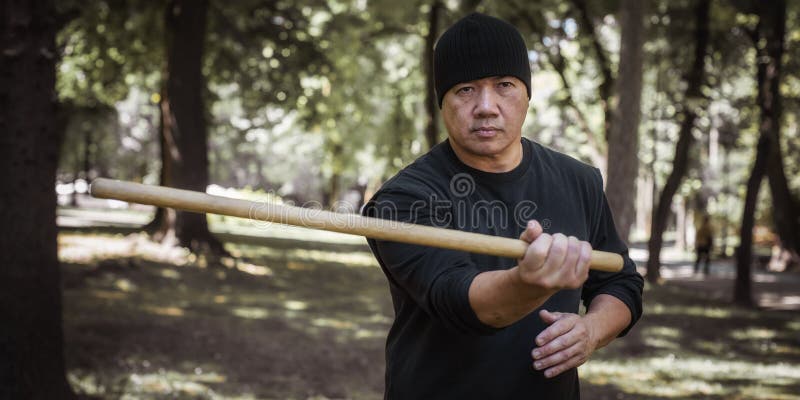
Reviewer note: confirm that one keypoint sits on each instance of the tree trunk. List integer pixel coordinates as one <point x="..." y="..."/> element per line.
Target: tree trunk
<point x="184" y="120"/>
<point x="162" y="226"/>
<point x="726" y="191"/>
<point x="680" y="164"/>
<point x="771" y="32"/>
<point x="680" y="223"/>
<point x="87" y="154"/>
<point x="623" y="137"/>
<point x="73" y="202"/>
<point x="333" y="190"/>
<point x="85" y="167"/>
<point x="31" y="337"/>
<point x="742" y="289"/>
<point x="431" y="104"/>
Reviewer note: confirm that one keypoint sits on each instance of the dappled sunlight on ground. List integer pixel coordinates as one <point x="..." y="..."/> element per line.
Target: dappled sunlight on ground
<point x="680" y="377"/>
<point x="76" y="248"/>
<point x="661" y="337"/>
<point x="286" y="325"/>
<point x="301" y="257"/>
<point x="107" y="295"/>
<point x="166" y="311"/>
<point x="778" y="302"/>
<point x="254" y="269"/>
<point x="303" y="320"/>
<point x="753" y="333"/>
<point x="695" y="311"/>
<point x="690" y="344"/>
<point x="162" y="383"/>
<point x="251" y="312"/>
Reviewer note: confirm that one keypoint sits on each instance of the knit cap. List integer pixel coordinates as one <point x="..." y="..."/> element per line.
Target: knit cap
<point x="476" y="47"/>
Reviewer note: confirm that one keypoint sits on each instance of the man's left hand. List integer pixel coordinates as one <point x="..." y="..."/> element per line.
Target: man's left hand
<point x="565" y="344"/>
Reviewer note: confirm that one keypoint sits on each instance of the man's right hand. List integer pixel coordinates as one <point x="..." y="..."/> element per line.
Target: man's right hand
<point x="553" y="262"/>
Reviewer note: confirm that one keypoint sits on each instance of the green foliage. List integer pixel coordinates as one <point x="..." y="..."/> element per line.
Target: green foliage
<point x="110" y="54"/>
<point x="107" y="47"/>
<point x="305" y="98"/>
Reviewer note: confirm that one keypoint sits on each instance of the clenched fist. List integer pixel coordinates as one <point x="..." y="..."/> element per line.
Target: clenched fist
<point x="553" y="262"/>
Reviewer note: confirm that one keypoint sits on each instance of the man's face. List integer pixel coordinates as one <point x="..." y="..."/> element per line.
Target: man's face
<point x="484" y="117"/>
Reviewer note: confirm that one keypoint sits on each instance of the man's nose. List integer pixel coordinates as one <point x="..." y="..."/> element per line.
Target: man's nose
<point x="487" y="103"/>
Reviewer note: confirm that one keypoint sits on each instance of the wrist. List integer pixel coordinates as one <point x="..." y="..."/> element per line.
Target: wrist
<point x="608" y="316"/>
<point x="499" y="298"/>
<point x="533" y="290"/>
<point x="591" y="323"/>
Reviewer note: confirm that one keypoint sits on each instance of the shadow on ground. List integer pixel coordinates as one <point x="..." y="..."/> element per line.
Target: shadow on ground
<point x="296" y="325"/>
<point x="299" y="320"/>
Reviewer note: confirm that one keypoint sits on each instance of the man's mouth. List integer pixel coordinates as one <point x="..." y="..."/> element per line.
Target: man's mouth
<point x="486" y="131"/>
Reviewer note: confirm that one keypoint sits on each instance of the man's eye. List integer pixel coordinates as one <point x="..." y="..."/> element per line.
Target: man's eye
<point x="464" y="90"/>
<point x="506" y="84"/>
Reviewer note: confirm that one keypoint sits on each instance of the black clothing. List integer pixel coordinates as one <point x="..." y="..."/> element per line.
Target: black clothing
<point x="437" y="348"/>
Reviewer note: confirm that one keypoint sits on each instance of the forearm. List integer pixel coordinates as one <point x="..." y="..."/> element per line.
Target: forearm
<point x="551" y="263"/>
<point x="500" y="298"/>
<point x="608" y="317"/>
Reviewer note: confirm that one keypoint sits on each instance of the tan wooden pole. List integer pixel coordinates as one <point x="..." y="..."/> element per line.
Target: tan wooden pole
<point x="354" y="224"/>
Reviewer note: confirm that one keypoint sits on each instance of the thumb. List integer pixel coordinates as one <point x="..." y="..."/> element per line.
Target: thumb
<point x="549" y="317"/>
<point x="532" y="231"/>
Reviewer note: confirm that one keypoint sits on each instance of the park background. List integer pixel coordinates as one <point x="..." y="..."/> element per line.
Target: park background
<point x="688" y="107"/>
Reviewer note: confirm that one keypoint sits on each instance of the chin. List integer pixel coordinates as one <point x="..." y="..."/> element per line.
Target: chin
<point x="495" y="143"/>
<point x="488" y="148"/>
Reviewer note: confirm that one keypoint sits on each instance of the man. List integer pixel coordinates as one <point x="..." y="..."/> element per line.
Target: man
<point x="704" y="240"/>
<point x="471" y="326"/>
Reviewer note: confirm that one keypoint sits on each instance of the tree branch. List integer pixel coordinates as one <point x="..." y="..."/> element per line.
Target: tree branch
<point x="558" y="62"/>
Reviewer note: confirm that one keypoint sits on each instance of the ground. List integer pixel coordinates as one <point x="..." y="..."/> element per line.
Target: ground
<point x="302" y="315"/>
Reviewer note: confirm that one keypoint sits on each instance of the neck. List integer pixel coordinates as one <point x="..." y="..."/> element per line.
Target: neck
<point x="504" y="161"/>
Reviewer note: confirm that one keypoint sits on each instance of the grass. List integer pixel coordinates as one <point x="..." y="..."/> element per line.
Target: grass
<point x="293" y="319"/>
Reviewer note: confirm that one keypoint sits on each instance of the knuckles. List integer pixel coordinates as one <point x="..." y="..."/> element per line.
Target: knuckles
<point x="538" y="253"/>
<point x="560" y="244"/>
<point x="572" y="253"/>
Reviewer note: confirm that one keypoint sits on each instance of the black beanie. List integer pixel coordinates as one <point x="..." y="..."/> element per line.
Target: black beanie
<point x="479" y="46"/>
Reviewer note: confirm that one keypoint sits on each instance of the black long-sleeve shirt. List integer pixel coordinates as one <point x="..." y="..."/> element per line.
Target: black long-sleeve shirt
<point x="437" y="348"/>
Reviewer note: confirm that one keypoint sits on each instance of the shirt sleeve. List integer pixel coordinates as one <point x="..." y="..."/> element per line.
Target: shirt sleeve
<point x="436" y="280"/>
<point x="626" y="285"/>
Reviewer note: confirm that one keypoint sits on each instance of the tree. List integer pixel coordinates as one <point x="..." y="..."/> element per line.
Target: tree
<point x="768" y="37"/>
<point x="431" y="103"/>
<point x="262" y="50"/>
<point x="612" y="148"/>
<point x="31" y="341"/>
<point x="183" y="123"/>
<point x="623" y="135"/>
<point x="368" y="116"/>
<point x="606" y="86"/>
<point x="770" y="43"/>
<point x="691" y="109"/>
<point x="742" y="289"/>
<point x="539" y="18"/>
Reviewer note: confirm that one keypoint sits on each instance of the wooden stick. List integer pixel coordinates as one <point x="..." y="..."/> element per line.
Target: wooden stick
<point x="354" y="224"/>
